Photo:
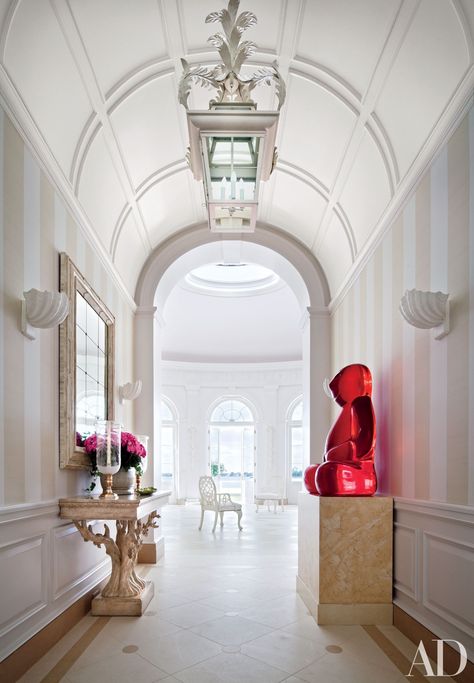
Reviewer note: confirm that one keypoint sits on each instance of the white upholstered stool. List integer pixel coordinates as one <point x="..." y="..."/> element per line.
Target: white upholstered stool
<point x="270" y="499"/>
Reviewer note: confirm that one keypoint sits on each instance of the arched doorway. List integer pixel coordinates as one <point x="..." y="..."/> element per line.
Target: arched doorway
<point x="269" y="247"/>
<point x="231" y="432"/>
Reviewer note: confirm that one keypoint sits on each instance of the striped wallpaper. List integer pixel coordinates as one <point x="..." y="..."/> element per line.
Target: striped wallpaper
<point x="423" y="389"/>
<point x="34" y="227"/>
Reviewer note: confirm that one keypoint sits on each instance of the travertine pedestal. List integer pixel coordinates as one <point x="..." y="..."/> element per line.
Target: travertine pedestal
<point x="345" y="558"/>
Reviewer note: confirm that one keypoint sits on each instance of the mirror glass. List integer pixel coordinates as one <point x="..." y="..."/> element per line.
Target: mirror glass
<point x="86" y="366"/>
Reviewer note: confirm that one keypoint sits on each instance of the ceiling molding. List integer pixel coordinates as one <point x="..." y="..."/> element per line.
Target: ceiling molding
<point x="9" y="17"/>
<point x="27" y="128"/>
<point x="447" y="123"/>
<point x="135" y="81"/>
<point x="469" y="38"/>
<point x="87" y="137"/>
<point x="382" y="140"/>
<point x="161" y="174"/>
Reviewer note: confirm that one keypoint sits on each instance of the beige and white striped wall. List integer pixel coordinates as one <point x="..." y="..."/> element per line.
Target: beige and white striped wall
<point x="44" y="562"/>
<point x="423" y="388"/>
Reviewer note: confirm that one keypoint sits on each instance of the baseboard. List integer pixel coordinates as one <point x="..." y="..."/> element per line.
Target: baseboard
<point x="416" y="632"/>
<point x="15" y="665"/>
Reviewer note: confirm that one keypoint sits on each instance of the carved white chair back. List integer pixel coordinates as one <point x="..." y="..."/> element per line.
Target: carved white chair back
<point x="208" y="493"/>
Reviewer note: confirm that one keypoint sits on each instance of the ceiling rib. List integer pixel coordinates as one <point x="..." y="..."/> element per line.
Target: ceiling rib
<point x="395" y="38"/>
<point x="79" y="53"/>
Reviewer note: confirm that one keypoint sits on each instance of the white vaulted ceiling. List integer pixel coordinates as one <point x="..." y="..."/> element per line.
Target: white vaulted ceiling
<point x="373" y="86"/>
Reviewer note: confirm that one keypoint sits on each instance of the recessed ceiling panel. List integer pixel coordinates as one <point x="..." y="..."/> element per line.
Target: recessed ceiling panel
<point x="367" y="190"/>
<point x="334" y="254"/>
<point x="167" y="206"/>
<point x="120" y="36"/>
<point x="100" y="192"/>
<point x="296" y="207"/>
<point x="266" y="33"/>
<point x="130" y="253"/>
<point x="147" y="129"/>
<point x="430" y="64"/>
<point x="42" y="69"/>
<point x="345" y="37"/>
<point x="316" y="130"/>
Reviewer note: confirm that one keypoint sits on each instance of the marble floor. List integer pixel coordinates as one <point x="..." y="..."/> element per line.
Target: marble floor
<point x="225" y="611"/>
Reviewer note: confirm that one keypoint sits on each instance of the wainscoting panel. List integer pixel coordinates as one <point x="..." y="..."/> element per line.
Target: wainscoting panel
<point x="52" y="566"/>
<point x="17" y="559"/>
<point x="434" y="567"/>
<point x="406" y="560"/>
<point x="74" y="560"/>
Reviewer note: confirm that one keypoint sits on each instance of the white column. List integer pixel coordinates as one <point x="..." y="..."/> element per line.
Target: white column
<point x="147" y="361"/>
<point x="316" y="367"/>
<point x="147" y="355"/>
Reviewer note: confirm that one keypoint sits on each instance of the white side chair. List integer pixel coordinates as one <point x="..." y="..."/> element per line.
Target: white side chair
<point x="216" y="502"/>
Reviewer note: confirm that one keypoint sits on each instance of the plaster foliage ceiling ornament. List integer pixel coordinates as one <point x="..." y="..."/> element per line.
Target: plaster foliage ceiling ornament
<point x="232" y="145"/>
<point x="426" y="310"/>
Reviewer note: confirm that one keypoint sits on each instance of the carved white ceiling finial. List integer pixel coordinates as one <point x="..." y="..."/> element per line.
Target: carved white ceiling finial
<point x="225" y="77"/>
<point x="426" y="310"/>
<point x="130" y="391"/>
<point x="43" y="310"/>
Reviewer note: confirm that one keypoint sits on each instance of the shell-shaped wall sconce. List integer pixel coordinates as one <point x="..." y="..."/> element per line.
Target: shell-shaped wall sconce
<point x="43" y="310"/>
<point x="426" y="310"/>
<point x="130" y="391"/>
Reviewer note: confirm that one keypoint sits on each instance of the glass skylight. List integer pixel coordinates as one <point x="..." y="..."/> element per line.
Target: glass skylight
<point x="232" y="278"/>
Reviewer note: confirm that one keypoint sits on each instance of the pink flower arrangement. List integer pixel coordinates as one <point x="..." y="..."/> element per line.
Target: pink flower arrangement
<point x="132" y="451"/>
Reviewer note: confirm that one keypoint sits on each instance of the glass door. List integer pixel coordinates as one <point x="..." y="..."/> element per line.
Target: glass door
<point x="231" y="450"/>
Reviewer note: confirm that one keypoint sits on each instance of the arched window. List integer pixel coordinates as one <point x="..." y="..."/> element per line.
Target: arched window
<point x="231" y="448"/>
<point x="232" y="410"/>
<point x="295" y="439"/>
<point x="169" y="444"/>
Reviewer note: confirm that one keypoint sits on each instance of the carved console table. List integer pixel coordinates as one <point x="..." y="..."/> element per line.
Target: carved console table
<point x="125" y="593"/>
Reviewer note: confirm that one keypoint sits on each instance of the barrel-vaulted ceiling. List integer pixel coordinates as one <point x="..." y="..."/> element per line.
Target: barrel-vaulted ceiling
<point x="373" y="86"/>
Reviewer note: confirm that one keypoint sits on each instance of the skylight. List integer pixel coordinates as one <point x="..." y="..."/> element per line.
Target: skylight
<point x="232" y="278"/>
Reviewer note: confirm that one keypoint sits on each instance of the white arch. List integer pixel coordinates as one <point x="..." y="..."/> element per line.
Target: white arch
<point x="274" y="248"/>
<point x="160" y="273"/>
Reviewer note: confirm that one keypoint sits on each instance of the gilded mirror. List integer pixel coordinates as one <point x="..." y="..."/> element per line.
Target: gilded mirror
<point x="86" y="366"/>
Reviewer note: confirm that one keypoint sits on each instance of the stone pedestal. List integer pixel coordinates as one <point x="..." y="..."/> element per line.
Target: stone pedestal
<point x="345" y="558"/>
<point x="130" y="606"/>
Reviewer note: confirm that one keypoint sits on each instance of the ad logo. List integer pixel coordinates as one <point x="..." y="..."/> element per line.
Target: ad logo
<point x="425" y="661"/>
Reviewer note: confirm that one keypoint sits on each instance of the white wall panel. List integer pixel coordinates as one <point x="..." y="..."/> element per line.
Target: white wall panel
<point x="435" y="540"/>
<point x="45" y="566"/>
<point x="25" y="560"/>
<point x="73" y="559"/>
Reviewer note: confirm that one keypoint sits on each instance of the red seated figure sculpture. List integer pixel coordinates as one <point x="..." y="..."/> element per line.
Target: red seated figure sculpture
<point x="348" y="465"/>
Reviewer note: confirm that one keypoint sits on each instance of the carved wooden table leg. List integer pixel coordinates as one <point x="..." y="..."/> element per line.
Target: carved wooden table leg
<point x="125" y="593"/>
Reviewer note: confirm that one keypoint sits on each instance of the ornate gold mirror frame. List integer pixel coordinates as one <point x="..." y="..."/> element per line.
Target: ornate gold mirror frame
<point x="86" y="365"/>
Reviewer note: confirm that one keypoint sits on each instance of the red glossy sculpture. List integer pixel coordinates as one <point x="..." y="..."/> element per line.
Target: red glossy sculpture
<point x="310" y="479"/>
<point x="348" y="466"/>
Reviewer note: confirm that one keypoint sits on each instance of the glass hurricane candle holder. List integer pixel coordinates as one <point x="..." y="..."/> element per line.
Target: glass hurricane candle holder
<point x="108" y="435"/>
<point x="143" y="439"/>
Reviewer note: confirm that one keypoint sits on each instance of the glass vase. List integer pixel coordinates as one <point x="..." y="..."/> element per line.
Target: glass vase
<point x="108" y="435"/>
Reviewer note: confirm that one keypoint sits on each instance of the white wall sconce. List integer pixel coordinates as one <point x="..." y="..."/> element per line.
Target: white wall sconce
<point x="130" y="391"/>
<point x="426" y="310"/>
<point x="42" y="310"/>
